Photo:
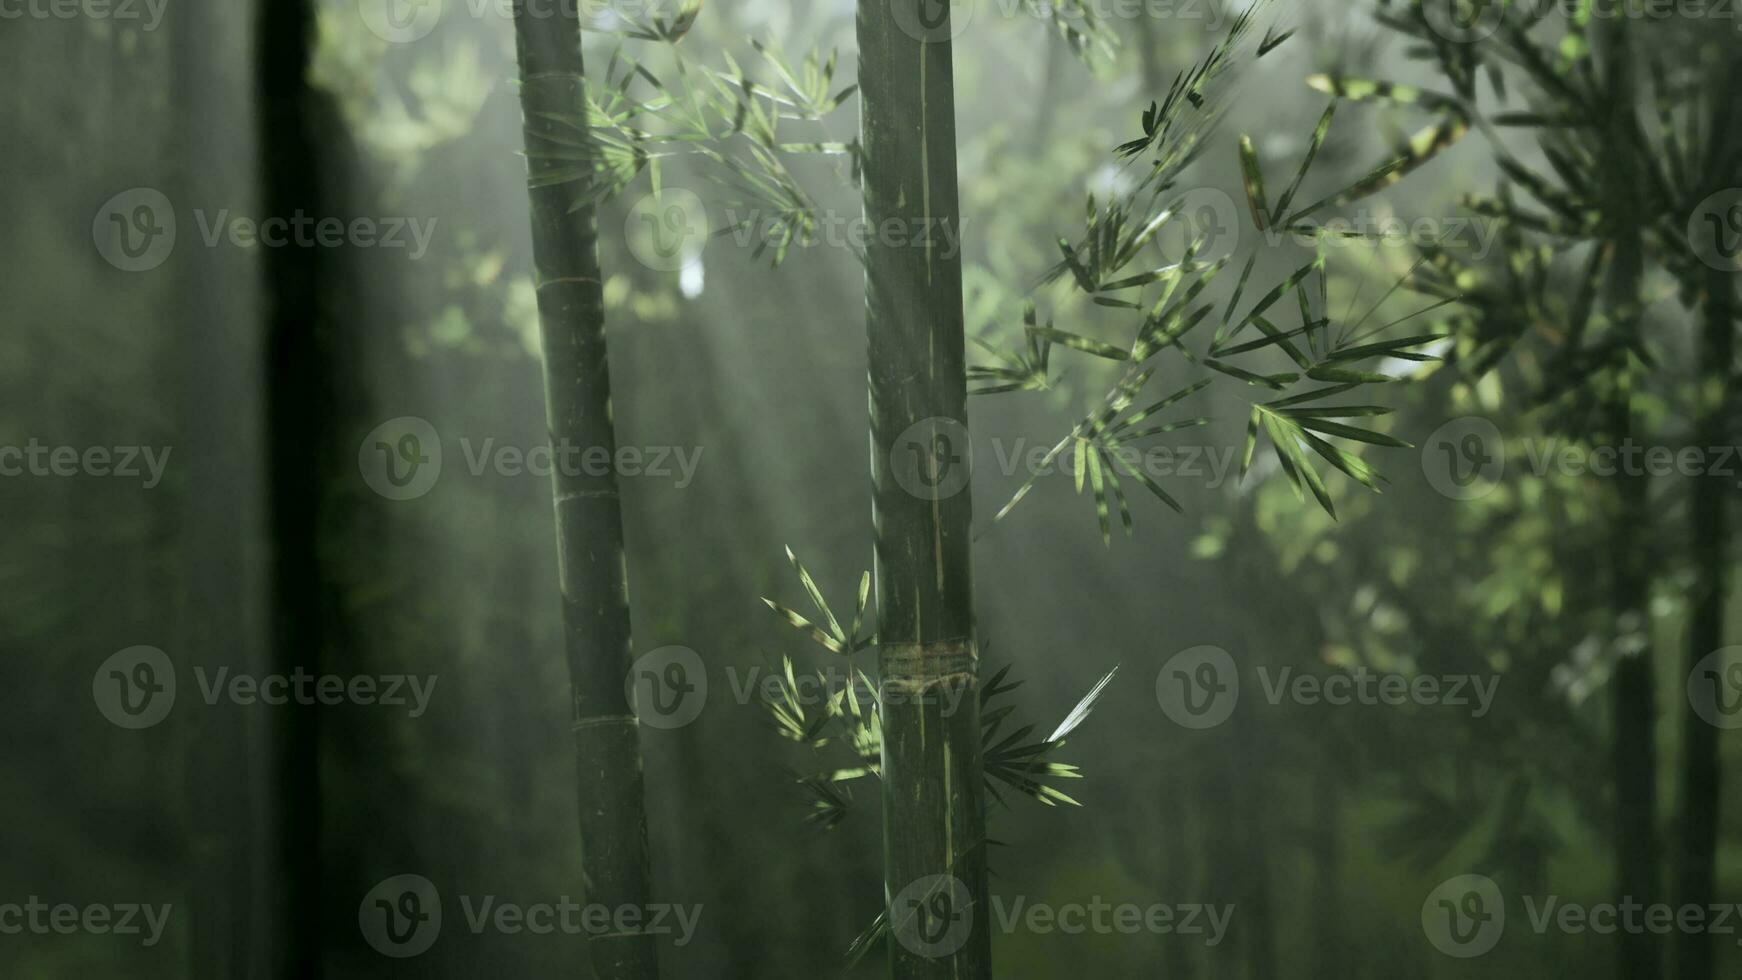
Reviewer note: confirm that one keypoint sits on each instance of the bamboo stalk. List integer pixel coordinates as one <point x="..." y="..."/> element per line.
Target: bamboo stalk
<point x="1709" y="522"/>
<point x="933" y="805"/>
<point x="1633" y="688"/>
<point x="613" y="818"/>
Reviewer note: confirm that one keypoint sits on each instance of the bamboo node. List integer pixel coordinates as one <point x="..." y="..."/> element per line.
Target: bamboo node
<point x="913" y="667"/>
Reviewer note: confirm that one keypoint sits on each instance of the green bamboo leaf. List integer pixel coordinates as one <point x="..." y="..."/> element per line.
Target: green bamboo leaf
<point x="1320" y="132"/>
<point x="1081" y="343"/>
<point x="805" y="626"/>
<point x="1252" y="178"/>
<point x="1274" y="381"/>
<point x="816" y="596"/>
<point x="1349" y="432"/>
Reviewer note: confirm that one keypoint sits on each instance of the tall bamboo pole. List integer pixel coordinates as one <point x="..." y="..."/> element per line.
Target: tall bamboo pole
<point x="933" y="806"/>
<point x="1633" y="687"/>
<point x="589" y="519"/>
<point x="1709" y="522"/>
<point x="303" y="388"/>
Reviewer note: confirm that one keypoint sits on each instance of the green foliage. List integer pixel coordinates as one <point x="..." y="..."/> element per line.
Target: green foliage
<point x="851" y="714"/>
<point x="1107" y="264"/>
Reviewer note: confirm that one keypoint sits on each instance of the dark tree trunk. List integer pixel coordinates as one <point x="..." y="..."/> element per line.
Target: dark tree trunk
<point x="1633" y="686"/>
<point x="222" y="580"/>
<point x="300" y="407"/>
<point x="1710" y="524"/>
<point x="934" y="834"/>
<point x="589" y="516"/>
<point x="1328" y="908"/>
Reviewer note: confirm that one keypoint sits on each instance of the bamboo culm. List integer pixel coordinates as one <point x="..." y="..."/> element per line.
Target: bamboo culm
<point x="589" y="520"/>
<point x="933" y="800"/>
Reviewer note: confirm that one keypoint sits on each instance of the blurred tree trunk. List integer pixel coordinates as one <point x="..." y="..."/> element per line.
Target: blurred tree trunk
<point x="1710" y="524"/>
<point x="1149" y="53"/>
<point x="933" y="805"/>
<point x="221" y="577"/>
<point x="1047" y="106"/>
<point x="1633" y="686"/>
<point x="1176" y="873"/>
<point x="302" y="373"/>
<point x="589" y="516"/>
<point x="1253" y="562"/>
<point x="1701" y="778"/>
<point x="1328" y="907"/>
